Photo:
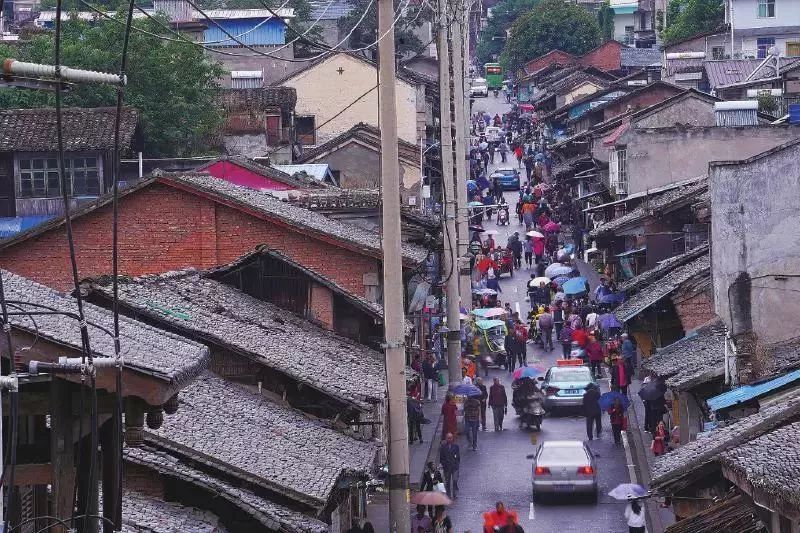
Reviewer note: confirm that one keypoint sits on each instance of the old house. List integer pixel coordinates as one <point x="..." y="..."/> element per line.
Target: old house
<point x="606" y="57"/>
<point x="567" y="85"/>
<point x="354" y="159"/>
<point x="327" y="86"/>
<point x="682" y="61"/>
<point x="247" y="173"/>
<point x="218" y="223"/>
<point x="260" y="122"/>
<point x="29" y="177"/>
<point x="756" y="26"/>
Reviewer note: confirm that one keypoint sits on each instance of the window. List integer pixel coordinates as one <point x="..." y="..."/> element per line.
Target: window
<point x="793" y="49"/>
<point x="764" y="44"/>
<point x="247" y="79"/>
<point x="38" y="177"/>
<point x="718" y="52"/>
<point x="766" y="8"/>
<point x="618" y="172"/>
<point x="305" y="130"/>
<point x="628" y="35"/>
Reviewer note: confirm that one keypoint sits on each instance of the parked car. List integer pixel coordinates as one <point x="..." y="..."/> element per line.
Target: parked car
<point x="492" y="134"/>
<point x="509" y="178"/>
<point x="564" y="386"/>
<point x="478" y="88"/>
<point x="564" y="467"/>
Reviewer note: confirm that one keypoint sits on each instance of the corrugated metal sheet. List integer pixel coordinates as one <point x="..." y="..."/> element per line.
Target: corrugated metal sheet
<point x="750" y="392"/>
<point x="271" y="33"/>
<point x="736" y="117"/>
<point x="10" y="226"/>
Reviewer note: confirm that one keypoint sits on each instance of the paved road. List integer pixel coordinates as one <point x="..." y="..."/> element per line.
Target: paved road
<point x="499" y="469"/>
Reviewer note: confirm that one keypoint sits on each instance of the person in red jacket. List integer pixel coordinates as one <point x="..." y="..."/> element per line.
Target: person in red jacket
<point x="595" y="352"/>
<point x="580" y="336"/>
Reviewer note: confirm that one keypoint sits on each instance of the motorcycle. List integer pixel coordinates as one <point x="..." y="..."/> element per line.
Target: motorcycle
<point x="502" y="216"/>
<point x="528" y="401"/>
<point x="496" y="93"/>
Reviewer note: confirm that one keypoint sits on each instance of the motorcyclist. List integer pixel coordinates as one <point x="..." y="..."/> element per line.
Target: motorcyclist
<point x="528" y="400"/>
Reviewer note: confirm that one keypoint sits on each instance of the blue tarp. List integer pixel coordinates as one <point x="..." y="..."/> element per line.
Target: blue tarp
<point x="10" y="226"/>
<point x="749" y="392"/>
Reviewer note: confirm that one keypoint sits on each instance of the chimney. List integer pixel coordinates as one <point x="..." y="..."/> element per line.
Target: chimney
<point x="742" y="335"/>
<point x="176" y="10"/>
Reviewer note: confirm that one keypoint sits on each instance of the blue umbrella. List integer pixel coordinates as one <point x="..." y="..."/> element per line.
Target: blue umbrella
<point x="628" y="491"/>
<point x="560" y="280"/>
<point x="608" y="399"/>
<point x="574" y="286"/>
<point x="465" y="389"/>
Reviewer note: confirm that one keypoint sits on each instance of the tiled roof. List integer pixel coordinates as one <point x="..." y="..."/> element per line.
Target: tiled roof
<point x="323" y="58"/>
<point x="650" y="206"/>
<point x="734" y="513"/>
<point x="670" y="468"/>
<point x="144" y="513"/>
<point x="639" y="57"/>
<point x="215" y="312"/>
<point x="303" y="219"/>
<point x="366" y="133"/>
<point x="667" y="265"/>
<point x="259" y="99"/>
<point x="263" y="170"/>
<point x="692" y="360"/>
<point x="663" y="287"/>
<point x="146" y="349"/>
<point x="34" y="130"/>
<point x="272" y="515"/>
<point x="245" y="434"/>
<point x="770" y="463"/>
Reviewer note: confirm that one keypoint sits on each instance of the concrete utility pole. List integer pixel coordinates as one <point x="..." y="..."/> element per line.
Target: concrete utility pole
<point x="394" y="319"/>
<point x="450" y="202"/>
<point x="461" y="43"/>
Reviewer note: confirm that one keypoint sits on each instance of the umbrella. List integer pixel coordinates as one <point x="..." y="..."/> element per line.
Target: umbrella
<point x="552" y="227"/>
<point x="528" y="372"/>
<point x="535" y="234"/>
<point x="627" y="491"/>
<point x="608" y="399"/>
<point x="431" y="497"/>
<point x="541" y="187"/>
<point x="557" y="269"/>
<point x="608" y="321"/>
<point x="475" y="204"/>
<point x="559" y="296"/>
<point x="492" y="232"/>
<point x="486" y="263"/>
<point x="536" y="281"/>
<point x="489" y="312"/>
<point x="575" y="286"/>
<point x="466" y="389"/>
<point x="476" y="228"/>
<point x="462" y="316"/>
<point x="560" y="280"/>
<point x="653" y="390"/>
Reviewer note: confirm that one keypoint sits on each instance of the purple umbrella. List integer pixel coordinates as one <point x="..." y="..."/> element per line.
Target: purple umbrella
<point x="608" y="321"/>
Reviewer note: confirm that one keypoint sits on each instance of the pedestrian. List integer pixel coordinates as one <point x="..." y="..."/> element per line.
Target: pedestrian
<point x="483" y="398"/>
<point x="518" y="155"/>
<point x="538" y="249"/>
<point x="521" y="338"/>
<point x="355" y="528"/>
<point x="527" y="246"/>
<point x="617" y="415"/>
<point x="620" y="379"/>
<point x="503" y="150"/>
<point x="595" y="352"/>
<point x="541" y="296"/>
<point x="449" y="410"/>
<point x="430" y="371"/>
<point x="516" y="250"/>
<point x="634" y="514"/>
<point x="415" y="416"/>
<point x="545" y="323"/>
<point x="591" y="410"/>
<point x="629" y="353"/>
<point x="421" y="522"/>
<point x="367" y="528"/>
<point x="442" y="522"/>
<point x="660" y="438"/>
<point x="450" y="457"/>
<point x="566" y="340"/>
<point x="431" y="478"/>
<point x="498" y="401"/>
<point x="491" y="153"/>
<point x="472" y="420"/>
<point x="558" y="317"/>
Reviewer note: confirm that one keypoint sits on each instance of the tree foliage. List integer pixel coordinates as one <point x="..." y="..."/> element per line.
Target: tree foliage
<point x="405" y="39"/>
<point x="690" y="17"/>
<point x="172" y="85"/>
<point x="493" y="36"/>
<point x="553" y="24"/>
<point x="605" y="19"/>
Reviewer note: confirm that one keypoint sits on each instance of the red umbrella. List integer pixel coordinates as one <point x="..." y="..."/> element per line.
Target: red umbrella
<point x="431" y="497"/>
<point x="485" y="263"/>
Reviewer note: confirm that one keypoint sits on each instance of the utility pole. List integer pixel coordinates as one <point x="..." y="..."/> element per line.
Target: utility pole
<point x="450" y="202"/>
<point x="394" y="317"/>
<point x="460" y="30"/>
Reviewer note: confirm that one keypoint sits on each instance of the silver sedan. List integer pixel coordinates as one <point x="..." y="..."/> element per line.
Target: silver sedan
<point x="564" y="467"/>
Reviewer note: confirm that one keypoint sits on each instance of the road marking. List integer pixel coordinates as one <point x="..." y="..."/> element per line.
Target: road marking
<point x="531" y="513"/>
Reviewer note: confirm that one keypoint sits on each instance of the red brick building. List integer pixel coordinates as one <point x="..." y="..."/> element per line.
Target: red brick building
<point x="550" y="58"/>
<point x="605" y="57"/>
<point x="176" y="222"/>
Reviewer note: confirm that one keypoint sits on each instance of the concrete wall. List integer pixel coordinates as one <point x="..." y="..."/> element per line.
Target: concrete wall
<point x="745" y="14"/>
<point x="662" y="156"/>
<point x="323" y="92"/>
<point x="754" y="221"/>
<point x="620" y="22"/>
<point x="689" y="111"/>
<point x="273" y="69"/>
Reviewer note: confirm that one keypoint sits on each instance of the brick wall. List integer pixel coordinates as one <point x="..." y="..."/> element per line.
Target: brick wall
<point x="163" y="229"/>
<point x="642" y="99"/>
<point x="143" y="480"/>
<point x="322" y="305"/>
<point x="555" y="56"/>
<point x="605" y="57"/>
<point x="696" y="310"/>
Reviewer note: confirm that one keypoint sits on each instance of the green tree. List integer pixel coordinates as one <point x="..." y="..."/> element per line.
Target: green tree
<point x="493" y="36"/>
<point x="605" y="19"/>
<point x="552" y="24"/>
<point x="172" y="85"/>
<point x="690" y="17"/>
<point x="366" y="33"/>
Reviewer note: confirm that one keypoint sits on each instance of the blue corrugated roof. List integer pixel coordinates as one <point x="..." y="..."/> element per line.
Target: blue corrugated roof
<point x="10" y="226"/>
<point x="750" y="392"/>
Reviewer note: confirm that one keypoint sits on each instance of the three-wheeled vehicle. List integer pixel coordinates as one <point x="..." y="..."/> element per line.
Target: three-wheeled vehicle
<point x="484" y="298"/>
<point x="491" y="348"/>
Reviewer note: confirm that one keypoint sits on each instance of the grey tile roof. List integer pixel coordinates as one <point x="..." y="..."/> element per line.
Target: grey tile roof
<point x="366" y="133"/>
<point x="259" y="99"/>
<point x="245" y="433"/>
<point x="771" y="463"/>
<point x="212" y="311"/>
<point x="34" y="130"/>
<point x="653" y="205"/>
<point x="734" y="513"/>
<point x="692" y="360"/>
<point x="302" y="219"/>
<point x="783" y="355"/>
<point x="272" y="515"/>
<point x="147" y="514"/>
<point x="639" y="57"/>
<point x="667" y="265"/>
<point x="670" y="468"/>
<point x="646" y="297"/>
<point x="144" y="348"/>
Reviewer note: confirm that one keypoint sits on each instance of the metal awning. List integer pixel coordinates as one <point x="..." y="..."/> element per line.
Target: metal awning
<point x="632" y="252"/>
<point x="752" y="391"/>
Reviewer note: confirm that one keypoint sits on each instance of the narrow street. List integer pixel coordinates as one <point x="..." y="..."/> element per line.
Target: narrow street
<point x="499" y="470"/>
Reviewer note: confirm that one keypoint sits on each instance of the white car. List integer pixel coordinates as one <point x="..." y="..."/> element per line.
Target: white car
<point x="478" y="88"/>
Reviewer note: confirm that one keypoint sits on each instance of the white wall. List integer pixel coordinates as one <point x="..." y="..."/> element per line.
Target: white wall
<point x="620" y="21"/>
<point x="745" y="14"/>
